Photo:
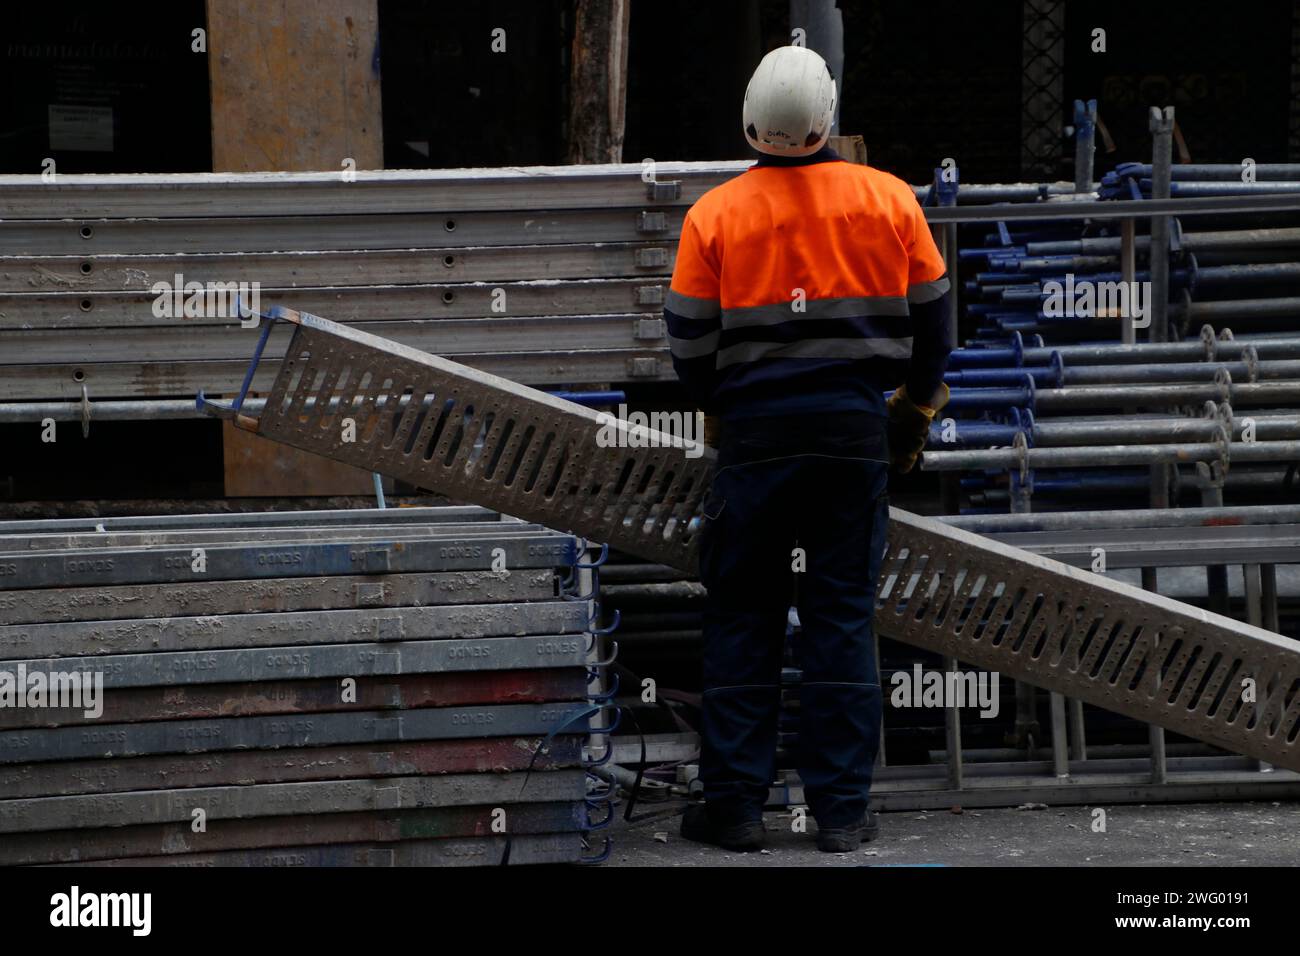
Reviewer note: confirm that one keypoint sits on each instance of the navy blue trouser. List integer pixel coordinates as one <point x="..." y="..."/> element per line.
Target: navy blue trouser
<point x="817" y="484"/>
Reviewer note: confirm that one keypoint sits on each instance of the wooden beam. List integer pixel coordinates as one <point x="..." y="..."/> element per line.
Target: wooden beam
<point x="295" y="86"/>
<point x="598" y="83"/>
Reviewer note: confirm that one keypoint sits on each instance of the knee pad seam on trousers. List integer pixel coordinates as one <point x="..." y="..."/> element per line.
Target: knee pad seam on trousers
<point x="712" y="690"/>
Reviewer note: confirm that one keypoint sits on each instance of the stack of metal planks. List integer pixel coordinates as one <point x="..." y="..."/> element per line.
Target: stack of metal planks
<point x="353" y="688"/>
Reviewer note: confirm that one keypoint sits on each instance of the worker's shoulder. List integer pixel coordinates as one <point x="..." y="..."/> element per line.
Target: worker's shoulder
<point x="881" y="182"/>
<point x="717" y="199"/>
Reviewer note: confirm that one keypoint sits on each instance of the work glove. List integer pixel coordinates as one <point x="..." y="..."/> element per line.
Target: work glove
<point x="909" y="426"/>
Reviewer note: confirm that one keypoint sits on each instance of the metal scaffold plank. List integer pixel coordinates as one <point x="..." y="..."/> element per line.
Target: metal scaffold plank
<point x="247" y="767"/>
<point x="525" y="849"/>
<point x="1118" y="647"/>
<point x="480" y="438"/>
<point x="90" y="236"/>
<point x="296" y="559"/>
<point x="283" y="799"/>
<point x="385" y="191"/>
<point x="32" y="745"/>
<point x="171" y="839"/>
<point x="183" y="377"/>
<point x="321" y="660"/>
<point x="343" y="591"/>
<point x="444" y="426"/>
<point x="306" y="268"/>
<point x="89" y="638"/>
<point x="442" y="314"/>
<point x="256" y="520"/>
<point x="309" y="696"/>
<point x="26" y="543"/>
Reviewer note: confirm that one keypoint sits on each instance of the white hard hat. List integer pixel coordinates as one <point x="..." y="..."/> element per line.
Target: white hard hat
<point x="790" y="103"/>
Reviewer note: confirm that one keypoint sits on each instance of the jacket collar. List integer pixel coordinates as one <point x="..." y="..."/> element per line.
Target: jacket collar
<point x="823" y="155"/>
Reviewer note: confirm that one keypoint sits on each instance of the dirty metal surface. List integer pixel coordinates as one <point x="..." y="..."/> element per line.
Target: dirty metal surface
<point x="309" y="696"/>
<point x="200" y="521"/>
<point x="321" y="660"/>
<point x="525" y="849"/>
<point x="1118" y="647"/>
<point x="476" y="437"/>
<point x="224" y="562"/>
<point x="272" y="536"/>
<point x="170" y="839"/>
<point x="283" y="799"/>
<point x="31" y="745"/>
<point x="344" y="591"/>
<point x="231" y="768"/>
<point x="91" y="638"/>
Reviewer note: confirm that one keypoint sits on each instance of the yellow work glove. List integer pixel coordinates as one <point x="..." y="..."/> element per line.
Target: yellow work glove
<point x="909" y="426"/>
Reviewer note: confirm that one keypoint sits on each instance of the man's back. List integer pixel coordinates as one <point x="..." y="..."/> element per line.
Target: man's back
<point x="792" y="287"/>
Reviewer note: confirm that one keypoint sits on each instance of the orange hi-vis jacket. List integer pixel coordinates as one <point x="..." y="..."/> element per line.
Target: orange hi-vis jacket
<point x="806" y="286"/>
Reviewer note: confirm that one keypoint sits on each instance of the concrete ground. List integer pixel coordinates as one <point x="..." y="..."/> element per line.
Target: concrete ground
<point x="1214" y="834"/>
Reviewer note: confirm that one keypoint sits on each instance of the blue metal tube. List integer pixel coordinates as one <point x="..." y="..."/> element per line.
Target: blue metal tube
<point x="1210" y="172"/>
<point x="592" y="398"/>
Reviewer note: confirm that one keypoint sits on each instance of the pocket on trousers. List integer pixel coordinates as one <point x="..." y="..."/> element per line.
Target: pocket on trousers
<point x="711" y="509"/>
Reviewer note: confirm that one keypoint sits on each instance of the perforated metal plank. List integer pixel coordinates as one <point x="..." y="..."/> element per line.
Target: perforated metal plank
<point x="525" y="850"/>
<point x="322" y="660"/>
<point x="283" y="799"/>
<point x="309" y="696"/>
<point x="171" y="839"/>
<point x="1085" y="636"/>
<point x="235" y="562"/>
<point x="123" y="601"/>
<point x="91" y="638"/>
<point x="169" y="771"/>
<point x="441" y="425"/>
<point x="475" y="437"/>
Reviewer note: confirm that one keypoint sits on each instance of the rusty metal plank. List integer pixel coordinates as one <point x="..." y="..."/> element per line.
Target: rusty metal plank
<point x="276" y="731"/>
<point x="310" y="696"/>
<point x="476" y="437"/>
<point x="92" y="638"/>
<point x="284" y="799"/>
<point x="525" y="849"/>
<point x="170" y="839"/>
<point x="167" y="771"/>
<point x="343" y="591"/>
<point x="322" y="660"/>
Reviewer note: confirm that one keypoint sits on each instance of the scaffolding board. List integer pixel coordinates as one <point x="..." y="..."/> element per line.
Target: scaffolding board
<point x="366" y="401"/>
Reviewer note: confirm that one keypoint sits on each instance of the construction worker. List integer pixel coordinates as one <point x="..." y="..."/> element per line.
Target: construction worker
<point x="804" y="289"/>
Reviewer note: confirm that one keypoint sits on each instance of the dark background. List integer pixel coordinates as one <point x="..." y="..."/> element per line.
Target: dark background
<point x="922" y="80"/>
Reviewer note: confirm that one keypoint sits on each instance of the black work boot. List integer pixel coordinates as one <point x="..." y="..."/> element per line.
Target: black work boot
<point x="847" y="839"/>
<point x="698" y="826"/>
